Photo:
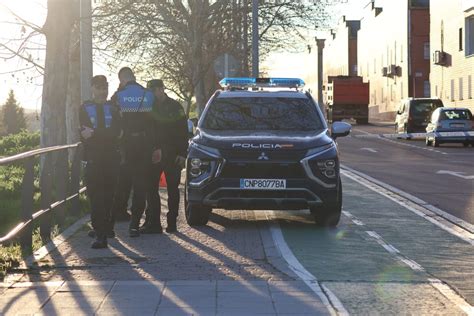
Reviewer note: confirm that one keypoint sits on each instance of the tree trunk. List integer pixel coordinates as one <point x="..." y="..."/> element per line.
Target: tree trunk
<point x="55" y="83"/>
<point x="57" y="30"/>
<point x="73" y="100"/>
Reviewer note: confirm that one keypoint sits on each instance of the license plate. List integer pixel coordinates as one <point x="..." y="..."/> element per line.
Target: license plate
<point x="456" y="125"/>
<point x="263" y="184"/>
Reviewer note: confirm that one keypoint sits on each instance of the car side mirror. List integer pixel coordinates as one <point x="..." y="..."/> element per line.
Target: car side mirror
<point x="340" y="129"/>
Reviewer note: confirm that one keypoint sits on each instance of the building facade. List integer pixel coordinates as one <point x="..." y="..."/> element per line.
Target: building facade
<point x="340" y="51"/>
<point x="452" y="51"/>
<point x="394" y="54"/>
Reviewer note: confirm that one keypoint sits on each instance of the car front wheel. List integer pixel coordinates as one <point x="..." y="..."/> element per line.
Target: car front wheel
<point x="196" y="214"/>
<point x="329" y="214"/>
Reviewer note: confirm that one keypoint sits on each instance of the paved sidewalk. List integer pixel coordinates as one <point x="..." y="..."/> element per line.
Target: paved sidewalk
<point x="161" y="298"/>
<point x="229" y="267"/>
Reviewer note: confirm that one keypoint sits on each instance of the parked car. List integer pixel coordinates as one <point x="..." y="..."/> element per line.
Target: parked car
<point x="449" y="125"/>
<point x="259" y="149"/>
<point x="414" y="114"/>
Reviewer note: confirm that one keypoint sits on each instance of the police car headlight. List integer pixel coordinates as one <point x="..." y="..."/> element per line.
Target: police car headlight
<point x="327" y="168"/>
<point x="198" y="167"/>
<point x="196" y="163"/>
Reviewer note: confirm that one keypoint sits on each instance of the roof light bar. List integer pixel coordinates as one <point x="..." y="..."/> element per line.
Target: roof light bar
<point x="261" y="82"/>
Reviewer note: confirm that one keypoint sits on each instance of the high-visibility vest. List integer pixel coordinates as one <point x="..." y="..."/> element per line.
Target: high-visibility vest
<point x="91" y="109"/>
<point x="135" y="98"/>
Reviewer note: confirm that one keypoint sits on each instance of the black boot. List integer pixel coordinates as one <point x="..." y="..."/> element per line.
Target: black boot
<point x="100" y="242"/>
<point x="171" y="228"/>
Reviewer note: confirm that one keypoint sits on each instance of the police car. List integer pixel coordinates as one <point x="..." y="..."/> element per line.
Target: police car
<point x="263" y="144"/>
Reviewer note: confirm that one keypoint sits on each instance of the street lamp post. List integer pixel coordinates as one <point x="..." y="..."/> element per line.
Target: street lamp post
<point x="86" y="48"/>
<point x="255" y="70"/>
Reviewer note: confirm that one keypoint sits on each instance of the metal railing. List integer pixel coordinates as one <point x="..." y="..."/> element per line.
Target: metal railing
<point x="56" y="179"/>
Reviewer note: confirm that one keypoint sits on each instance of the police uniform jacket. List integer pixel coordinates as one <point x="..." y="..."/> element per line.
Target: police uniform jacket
<point x="171" y="129"/>
<point x="105" y="120"/>
<point x="135" y="104"/>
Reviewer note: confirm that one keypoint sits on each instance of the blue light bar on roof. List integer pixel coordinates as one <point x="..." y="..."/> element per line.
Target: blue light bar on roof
<point x="261" y="82"/>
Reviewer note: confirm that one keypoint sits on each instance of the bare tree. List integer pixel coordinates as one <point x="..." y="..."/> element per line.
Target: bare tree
<point x="181" y="40"/>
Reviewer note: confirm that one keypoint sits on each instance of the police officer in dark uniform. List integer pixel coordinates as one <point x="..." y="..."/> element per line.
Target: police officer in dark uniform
<point x="171" y="131"/>
<point x="100" y="126"/>
<point x="135" y="103"/>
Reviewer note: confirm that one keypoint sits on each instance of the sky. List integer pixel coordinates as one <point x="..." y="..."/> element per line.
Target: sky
<point x="27" y="84"/>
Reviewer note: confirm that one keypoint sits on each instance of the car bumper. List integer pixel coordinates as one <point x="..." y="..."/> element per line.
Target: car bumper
<point x="226" y="193"/>
<point x="452" y="136"/>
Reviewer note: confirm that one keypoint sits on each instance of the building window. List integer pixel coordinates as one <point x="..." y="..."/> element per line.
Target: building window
<point x="452" y="90"/>
<point x="426" y="89"/>
<point x="401" y="53"/>
<point x="426" y="50"/>
<point x="469" y="35"/>
<point x="461" y="39"/>
<point x="469" y="86"/>
<point x="420" y="3"/>
<point x="461" y="92"/>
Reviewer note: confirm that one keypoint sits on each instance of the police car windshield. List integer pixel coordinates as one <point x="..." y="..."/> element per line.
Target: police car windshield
<point x="263" y="114"/>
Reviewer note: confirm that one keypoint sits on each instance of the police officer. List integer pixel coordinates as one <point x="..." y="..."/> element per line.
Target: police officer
<point x="172" y="139"/>
<point x="135" y="103"/>
<point x="100" y="126"/>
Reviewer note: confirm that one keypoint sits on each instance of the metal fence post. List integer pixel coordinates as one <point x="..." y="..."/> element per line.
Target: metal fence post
<point x="61" y="182"/>
<point x="27" y="192"/>
<point x="75" y="183"/>
<point x="46" y="186"/>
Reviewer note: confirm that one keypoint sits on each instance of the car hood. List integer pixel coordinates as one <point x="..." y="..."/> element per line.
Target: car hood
<point x="269" y="140"/>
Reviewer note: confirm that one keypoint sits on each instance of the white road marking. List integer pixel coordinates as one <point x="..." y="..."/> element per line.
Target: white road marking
<point x="440" y="218"/>
<point x="369" y="149"/>
<point x="454" y="297"/>
<point x="332" y="303"/>
<point x="441" y="287"/>
<point x="456" y="174"/>
<point x="387" y="136"/>
<point x="354" y="219"/>
<point x="395" y="252"/>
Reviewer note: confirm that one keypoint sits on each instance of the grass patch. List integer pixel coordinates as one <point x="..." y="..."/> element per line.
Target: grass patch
<point x="12" y="255"/>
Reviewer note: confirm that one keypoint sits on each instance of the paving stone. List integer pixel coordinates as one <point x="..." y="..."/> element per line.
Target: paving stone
<point x="178" y="311"/>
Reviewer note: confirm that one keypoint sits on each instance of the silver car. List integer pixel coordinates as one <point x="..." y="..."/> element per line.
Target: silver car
<point x="450" y="125"/>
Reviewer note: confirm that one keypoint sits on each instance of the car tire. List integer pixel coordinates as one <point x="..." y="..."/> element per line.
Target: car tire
<point x="329" y="214"/>
<point x="405" y="131"/>
<point x="428" y="142"/>
<point x="435" y="142"/>
<point x="196" y="214"/>
<point x="465" y="144"/>
<point x="396" y="131"/>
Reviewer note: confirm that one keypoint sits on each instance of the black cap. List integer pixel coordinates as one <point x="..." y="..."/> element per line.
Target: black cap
<point x="99" y="81"/>
<point x="155" y="83"/>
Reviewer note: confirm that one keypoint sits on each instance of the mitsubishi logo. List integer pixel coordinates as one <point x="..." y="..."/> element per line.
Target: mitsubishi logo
<point x="263" y="156"/>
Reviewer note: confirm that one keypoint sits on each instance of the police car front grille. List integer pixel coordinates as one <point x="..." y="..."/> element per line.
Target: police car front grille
<point x="263" y="170"/>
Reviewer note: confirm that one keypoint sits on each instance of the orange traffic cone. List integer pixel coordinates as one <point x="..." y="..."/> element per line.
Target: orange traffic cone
<point x="162" y="180"/>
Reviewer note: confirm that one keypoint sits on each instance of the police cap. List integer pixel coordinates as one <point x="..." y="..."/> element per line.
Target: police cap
<point x="155" y="83"/>
<point x="99" y="81"/>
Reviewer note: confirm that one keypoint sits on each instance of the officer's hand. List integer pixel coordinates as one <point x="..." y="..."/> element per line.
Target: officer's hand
<point x="180" y="161"/>
<point x="86" y="132"/>
<point x="156" y="156"/>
